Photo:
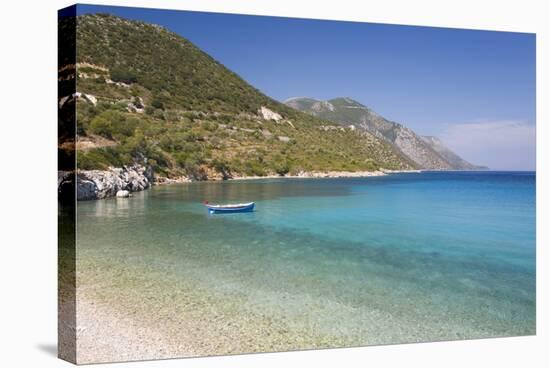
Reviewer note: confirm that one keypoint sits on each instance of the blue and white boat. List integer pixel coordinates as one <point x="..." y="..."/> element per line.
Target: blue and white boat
<point x="230" y="208"/>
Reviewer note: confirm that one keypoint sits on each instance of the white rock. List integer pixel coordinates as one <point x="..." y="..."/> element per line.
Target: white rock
<point x="282" y="138"/>
<point x="268" y="114"/>
<point x="123" y="194"/>
<point x="78" y="95"/>
<point x="63" y="100"/>
<point x="91" y="98"/>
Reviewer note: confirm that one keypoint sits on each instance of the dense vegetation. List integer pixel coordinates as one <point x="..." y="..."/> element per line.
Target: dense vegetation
<point x="163" y="102"/>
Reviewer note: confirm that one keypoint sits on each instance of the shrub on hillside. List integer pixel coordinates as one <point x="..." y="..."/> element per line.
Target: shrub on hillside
<point x="281" y="166"/>
<point x="101" y="125"/>
<point x="120" y="74"/>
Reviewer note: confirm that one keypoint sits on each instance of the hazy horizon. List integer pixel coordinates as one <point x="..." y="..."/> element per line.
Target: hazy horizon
<point x="475" y="90"/>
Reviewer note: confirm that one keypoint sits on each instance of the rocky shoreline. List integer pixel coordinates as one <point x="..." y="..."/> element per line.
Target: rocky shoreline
<point x="117" y="182"/>
<point x="99" y="184"/>
<point x="315" y="174"/>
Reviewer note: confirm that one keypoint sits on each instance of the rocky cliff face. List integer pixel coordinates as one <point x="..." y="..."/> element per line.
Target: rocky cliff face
<point x="348" y="112"/>
<point x="98" y="184"/>
<point x="457" y="162"/>
<point x="416" y="149"/>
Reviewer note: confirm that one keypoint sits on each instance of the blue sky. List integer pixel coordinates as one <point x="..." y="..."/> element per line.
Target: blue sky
<point x="445" y="82"/>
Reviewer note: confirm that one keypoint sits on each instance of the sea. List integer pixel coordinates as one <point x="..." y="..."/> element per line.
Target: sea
<point x="401" y="258"/>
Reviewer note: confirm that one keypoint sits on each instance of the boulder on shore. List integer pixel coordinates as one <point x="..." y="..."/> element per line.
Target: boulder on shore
<point x="122" y="194"/>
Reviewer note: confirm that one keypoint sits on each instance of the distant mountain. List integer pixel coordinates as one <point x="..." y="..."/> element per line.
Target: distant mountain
<point x="426" y="152"/>
<point x="146" y="95"/>
<point x="457" y="162"/>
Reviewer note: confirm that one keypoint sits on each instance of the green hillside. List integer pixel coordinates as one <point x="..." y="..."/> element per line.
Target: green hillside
<point x="152" y="97"/>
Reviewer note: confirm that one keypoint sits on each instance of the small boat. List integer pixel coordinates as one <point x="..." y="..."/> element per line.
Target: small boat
<point x="229" y="208"/>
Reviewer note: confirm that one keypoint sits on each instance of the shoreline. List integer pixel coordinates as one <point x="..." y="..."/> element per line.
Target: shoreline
<point x="317" y="175"/>
<point x="128" y="331"/>
<point x="101" y="184"/>
<point x="301" y="175"/>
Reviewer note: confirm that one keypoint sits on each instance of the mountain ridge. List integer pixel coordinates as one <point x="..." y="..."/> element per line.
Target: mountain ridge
<point x="429" y="154"/>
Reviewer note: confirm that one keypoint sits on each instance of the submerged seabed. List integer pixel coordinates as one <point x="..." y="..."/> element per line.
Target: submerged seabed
<point x="321" y="263"/>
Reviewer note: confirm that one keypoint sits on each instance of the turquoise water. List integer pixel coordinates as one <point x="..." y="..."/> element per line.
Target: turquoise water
<point x="329" y="262"/>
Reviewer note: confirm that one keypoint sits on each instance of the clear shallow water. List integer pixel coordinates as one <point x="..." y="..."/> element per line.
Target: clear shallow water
<point x="328" y="262"/>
